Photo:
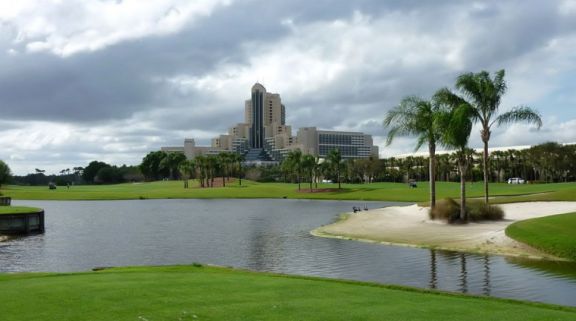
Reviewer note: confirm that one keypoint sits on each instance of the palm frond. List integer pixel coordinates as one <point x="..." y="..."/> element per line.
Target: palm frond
<point x="519" y="114"/>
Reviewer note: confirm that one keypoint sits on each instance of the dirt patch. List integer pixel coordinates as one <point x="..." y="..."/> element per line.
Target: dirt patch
<point x="217" y="183"/>
<point x="318" y="190"/>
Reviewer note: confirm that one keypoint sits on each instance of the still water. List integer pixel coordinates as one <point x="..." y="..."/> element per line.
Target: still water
<point x="265" y="235"/>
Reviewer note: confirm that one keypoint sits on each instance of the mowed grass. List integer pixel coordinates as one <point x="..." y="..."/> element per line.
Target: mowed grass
<point x="207" y="293"/>
<point x="552" y="234"/>
<point x="18" y="209"/>
<point x="375" y="191"/>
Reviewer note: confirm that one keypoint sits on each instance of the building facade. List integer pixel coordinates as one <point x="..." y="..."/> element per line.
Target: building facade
<point x="265" y="137"/>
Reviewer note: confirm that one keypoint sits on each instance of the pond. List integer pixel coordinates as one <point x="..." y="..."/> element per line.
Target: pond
<point x="265" y="235"/>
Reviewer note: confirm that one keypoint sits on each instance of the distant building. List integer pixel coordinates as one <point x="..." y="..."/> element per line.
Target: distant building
<point x="265" y="137"/>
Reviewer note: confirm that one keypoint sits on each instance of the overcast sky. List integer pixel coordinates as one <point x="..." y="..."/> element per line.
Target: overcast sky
<point x="84" y="80"/>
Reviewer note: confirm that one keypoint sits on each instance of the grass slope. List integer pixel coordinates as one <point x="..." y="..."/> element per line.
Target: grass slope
<point x="375" y="191"/>
<point x="205" y="293"/>
<point x="18" y="209"/>
<point x="551" y="234"/>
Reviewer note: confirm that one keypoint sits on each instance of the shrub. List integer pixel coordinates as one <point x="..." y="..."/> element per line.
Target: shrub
<point x="478" y="211"/>
<point x="446" y="209"/>
<point x="449" y="210"/>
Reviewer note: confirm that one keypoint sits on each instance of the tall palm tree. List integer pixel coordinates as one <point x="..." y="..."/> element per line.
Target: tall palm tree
<point x="457" y="126"/>
<point x="309" y="166"/>
<point x="484" y="94"/>
<point x="187" y="169"/>
<point x="238" y="159"/>
<point x="294" y="162"/>
<point x="415" y="116"/>
<point x="335" y="160"/>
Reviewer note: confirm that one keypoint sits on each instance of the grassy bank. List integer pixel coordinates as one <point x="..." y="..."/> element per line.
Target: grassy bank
<point x="551" y="234"/>
<point x="376" y="191"/>
<point x="203" y="293"/>
<point x="18" y="209"/>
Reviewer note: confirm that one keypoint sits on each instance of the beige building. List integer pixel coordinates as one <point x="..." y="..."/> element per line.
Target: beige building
<point x="264" y="135"/>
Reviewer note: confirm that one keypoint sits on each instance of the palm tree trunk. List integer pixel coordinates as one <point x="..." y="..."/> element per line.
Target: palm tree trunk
<point x="462" y="168"/>
<point x="432" y="173"/>
<point x="486" y="171"/>
<point x="298" y="181"/>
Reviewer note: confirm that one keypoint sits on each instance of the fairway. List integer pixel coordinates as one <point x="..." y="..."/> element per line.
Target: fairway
<point x="552" y="234"/>
<point x="208" y="293"/>
<point x="504" y="193"/>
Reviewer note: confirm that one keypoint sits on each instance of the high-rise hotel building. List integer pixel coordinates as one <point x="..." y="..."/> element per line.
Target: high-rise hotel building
<point x="264" y="135"/>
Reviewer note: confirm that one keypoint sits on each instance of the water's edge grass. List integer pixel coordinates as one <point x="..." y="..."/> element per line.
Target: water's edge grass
<point x="217" y="293"/>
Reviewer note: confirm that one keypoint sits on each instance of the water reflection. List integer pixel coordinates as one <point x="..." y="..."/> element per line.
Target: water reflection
<point x="433" y="270"/>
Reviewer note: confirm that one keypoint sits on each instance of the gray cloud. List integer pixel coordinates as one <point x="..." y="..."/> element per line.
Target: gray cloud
<point x="337" y="65"/>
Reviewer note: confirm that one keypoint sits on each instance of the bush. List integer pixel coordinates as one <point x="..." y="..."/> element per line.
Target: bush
<point x="446" y="209"/>
<point x="449" y="210"/>
<point x="478" y="211"/>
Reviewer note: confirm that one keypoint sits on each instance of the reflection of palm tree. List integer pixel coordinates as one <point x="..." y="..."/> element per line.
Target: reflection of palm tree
<point x="483" y="94"/>
<point x="433" y="270"/>
<point x="486" y="288"/>
<point x="463" y="274"/>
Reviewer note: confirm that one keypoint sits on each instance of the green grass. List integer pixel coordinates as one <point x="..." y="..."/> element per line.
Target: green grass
<point x="551" y="234"/>
<point x="206" y="293"/>
<point x="375" y="192"/>
<point x="18" y="209"/>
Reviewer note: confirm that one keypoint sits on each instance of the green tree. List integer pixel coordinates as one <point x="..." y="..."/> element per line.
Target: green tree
<point x="457" y="126"/>
<point x="151" y="165"/>
<point x="238" y="159"/>
<point x="5" y="173"/>
<point x="171" y="162"/>
<point x="334" y="159"/>
<point x="91" y="171"/>
<point x="187" y="169"/>
<point x="294" y="163"/>
<point x="415" y="116"/>
<point x="309" y="166"/>
<point x="483" y="94"/>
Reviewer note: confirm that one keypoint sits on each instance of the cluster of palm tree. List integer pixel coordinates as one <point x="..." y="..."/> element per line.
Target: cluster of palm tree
<point x="548" y="162"/>
<point x="312" y="169"/>
<point x="447" y="119"/>
<point x="207" y="167"/>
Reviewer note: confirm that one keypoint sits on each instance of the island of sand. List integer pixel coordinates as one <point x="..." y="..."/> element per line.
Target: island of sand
<point x="410" y="226"/>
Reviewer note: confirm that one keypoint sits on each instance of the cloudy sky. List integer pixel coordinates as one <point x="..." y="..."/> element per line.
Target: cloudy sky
<point x="111" y="80"/>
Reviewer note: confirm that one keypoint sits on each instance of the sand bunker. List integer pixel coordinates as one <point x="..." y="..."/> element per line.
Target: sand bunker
<point x="410" y="226"/>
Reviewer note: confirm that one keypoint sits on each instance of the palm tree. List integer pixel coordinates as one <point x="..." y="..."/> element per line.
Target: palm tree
<point x="294" y="163"/>
<point x="457" y="126"/>
<point x="335" y="161"/>
<point x="187" y="169"/>
<point x="484" y="94"/>
<point x="201" y="168"/>
<point x="309" y="166"/>
<point x="415" y="116"/>
<point x="238" y="159"/>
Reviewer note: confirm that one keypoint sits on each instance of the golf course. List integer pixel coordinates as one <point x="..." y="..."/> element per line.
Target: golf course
<point x="198" y="292"/>
<point x="211" y="293"/>
<point x="501" y="192"/>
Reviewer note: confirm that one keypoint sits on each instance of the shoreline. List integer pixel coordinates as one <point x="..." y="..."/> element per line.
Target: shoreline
<point x="410" y="226"/>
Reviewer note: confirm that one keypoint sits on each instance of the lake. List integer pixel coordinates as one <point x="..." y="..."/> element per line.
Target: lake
<point x="265" y="235"/>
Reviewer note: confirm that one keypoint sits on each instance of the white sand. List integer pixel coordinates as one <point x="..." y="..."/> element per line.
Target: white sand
<point x="409" y="225"/>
